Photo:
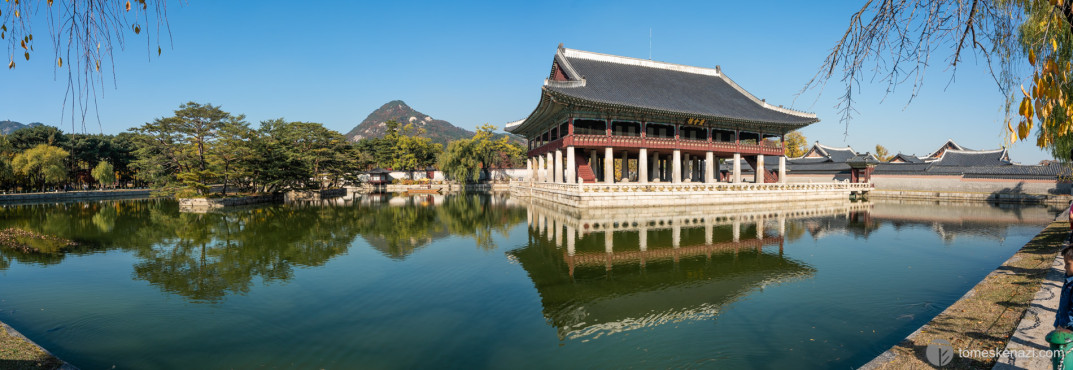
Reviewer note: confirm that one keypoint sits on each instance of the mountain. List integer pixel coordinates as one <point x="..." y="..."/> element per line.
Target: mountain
<point x="439" y="131"/>
<point x="7" y="127"/>
<point x="374" y="125"/>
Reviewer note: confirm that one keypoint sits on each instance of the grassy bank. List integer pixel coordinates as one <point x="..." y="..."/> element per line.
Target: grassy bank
<point x="987" y="315"/>
<point x="18" y="353"/>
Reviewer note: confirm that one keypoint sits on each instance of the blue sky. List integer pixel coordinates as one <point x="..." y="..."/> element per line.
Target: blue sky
<point x="471" y="63"/>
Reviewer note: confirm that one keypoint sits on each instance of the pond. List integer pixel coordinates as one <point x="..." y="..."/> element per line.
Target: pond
<point x="479" y="280"/>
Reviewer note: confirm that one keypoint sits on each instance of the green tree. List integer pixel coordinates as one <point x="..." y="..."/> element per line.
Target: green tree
<point x="882" y="154"/>
<point x="466" y="159"/>
<point x="414" y="152"/>
<point x="104" y="173"/>
<point x="796" y="144"/>
<point x="42" y="165"/>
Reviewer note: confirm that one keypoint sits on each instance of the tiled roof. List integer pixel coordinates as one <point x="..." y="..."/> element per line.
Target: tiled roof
<point x="964" y="158"/>
<point x="901" y="168"/>
<point x="908" y="158"/>
<point x="628" y="82"/>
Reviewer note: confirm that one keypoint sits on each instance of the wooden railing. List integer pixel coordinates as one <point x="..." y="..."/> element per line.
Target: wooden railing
<point x="594" y="188"/>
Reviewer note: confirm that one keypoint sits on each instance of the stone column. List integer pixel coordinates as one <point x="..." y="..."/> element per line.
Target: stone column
<point x="571" y="166"/>
<point x="709" y="172"/>
<point x="609" y="166"/>
<point x="642" y="166"/>
<point x="759" y="175"/>
<point x="687" y="168"/>
<point x="558" y="166"/>
<point x="737" y="230"/>
<point x="529" y="169"/>
<point x="625" y="165"/>
<point x="550" y="176"/>
<point x="782" y="169"/>
<point x="593" y="163"/>
<point x="540" y="169"/>
<point x="736" y="176"/>
<point x="708" y="232"/>
<point x="609" y="241"/>
<point x="655" y="167"/>
<point x="782" y="225"/>
<point x="676" y="166"/>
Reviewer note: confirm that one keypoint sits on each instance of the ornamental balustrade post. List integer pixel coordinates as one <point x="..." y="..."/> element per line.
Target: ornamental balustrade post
<point x="676" y="167"/>
<point x="642" y="166"/>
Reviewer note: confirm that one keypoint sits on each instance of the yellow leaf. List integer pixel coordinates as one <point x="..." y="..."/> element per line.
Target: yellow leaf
<point x="1022" y="130"/>
<point x="98" y="66"/>
<point x="27" y="55"/>
<point x="60" y="62"/>
<point x="1023" y="90"/>
<point x="1054" y="44"/>
<point x="11" y="65"/>
<point x="158" y="51"/>
<point x="128" y="6"/>
<point x="1032" y="57"/>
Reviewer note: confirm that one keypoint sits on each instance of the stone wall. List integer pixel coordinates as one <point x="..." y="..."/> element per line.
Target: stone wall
<point x="573" y="198"/>
<point x="74" y="195"/>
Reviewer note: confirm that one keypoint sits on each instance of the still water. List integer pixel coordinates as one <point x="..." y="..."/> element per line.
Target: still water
<point x="485" y="281"/>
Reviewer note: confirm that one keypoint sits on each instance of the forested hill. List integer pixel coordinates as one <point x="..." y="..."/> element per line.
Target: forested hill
<point x="7" y="127"/>
<point x="439" y="131"/>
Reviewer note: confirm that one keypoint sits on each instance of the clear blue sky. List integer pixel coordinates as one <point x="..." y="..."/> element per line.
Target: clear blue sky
<point x="471" y="63"/>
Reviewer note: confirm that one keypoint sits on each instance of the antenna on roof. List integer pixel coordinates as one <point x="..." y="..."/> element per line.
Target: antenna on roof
<point x="649" y="43"/>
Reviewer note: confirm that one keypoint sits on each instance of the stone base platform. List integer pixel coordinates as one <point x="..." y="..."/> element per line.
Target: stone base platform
<point x="684" y="194"/>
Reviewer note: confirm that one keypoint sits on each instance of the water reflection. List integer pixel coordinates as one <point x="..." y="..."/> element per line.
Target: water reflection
<point x="604" y="271"/>
<point x="205" y="257"/>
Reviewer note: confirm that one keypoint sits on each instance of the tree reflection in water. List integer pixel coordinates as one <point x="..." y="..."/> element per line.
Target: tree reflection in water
<point x="206" y="257"/>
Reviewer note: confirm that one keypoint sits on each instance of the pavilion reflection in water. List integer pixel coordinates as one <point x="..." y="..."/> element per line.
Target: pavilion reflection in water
<point x="602" y="272"/>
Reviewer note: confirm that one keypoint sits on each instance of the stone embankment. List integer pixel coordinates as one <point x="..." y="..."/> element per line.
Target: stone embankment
<point x="972" y="197"/>
<point x="995" y="314"/>
<point x="74" y="195"/>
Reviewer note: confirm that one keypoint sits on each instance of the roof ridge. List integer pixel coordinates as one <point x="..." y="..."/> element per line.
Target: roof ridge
<point x="976" y="151"/>
<point x="825" y="147"/>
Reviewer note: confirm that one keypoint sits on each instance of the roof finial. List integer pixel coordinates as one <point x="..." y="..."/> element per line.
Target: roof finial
<point x="561" y="46"/>
<point x="718" y="69"/>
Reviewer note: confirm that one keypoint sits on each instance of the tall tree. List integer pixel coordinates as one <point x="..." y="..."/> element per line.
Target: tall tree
<point x="104" y="173"/>
<point x="42" y="165"/>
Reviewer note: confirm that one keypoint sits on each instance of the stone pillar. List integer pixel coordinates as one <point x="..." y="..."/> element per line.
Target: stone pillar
<point x="655" y="167"/>
<point x="609" y="166"/>
<point x="625" y="165"/>
<point x="782" y="169"/>
<point x="558" y="166"/>
<point x="642" y="166"/>
<point x="571" y="166"/>
<point x="736" y="176"/>
<point x="540" y="168"/>
<point x="593" y="163"/>
<point x="687" y="168"/>
<point x="708" y="233"/>
<point x="782" y="225"/>
<point x="759" y="175"/>
<point x="529" y="169"/>
<point x="709" y="172"/>
<point x="676" y="166"/>
<point x="550" y="172"/>
<point x="609" y="241"/>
